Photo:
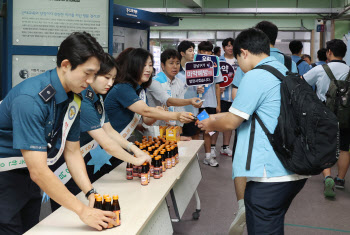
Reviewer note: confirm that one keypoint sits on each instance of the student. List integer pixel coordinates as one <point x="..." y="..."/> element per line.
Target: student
<point x="186" y="50"/>
<point x="126" y="102"/>
<point x="95" y="130"/>
<point x="167" y="90"/>
<point x="217" y="51"/>
<point x="335" y="51"/>
<point x="225" y="99"/>
<point x="31" y="123"/>
<point x="306" y="58"/>
<point x="271" y="31"/>
<point x="296" y="48"/>
<point x="321" y="56"/>
<point x="211" y="104"/>
<point x="270" y="188"/>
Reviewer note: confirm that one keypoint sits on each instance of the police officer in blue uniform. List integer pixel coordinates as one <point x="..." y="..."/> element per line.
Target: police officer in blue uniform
<point x="39" y="120"/>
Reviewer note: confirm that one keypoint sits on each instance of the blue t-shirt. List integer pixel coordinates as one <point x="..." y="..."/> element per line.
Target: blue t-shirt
<point x="28" y="122"/>
<point x="91" y="115"/>
<point x="303" y="67"/>
<point x="121" y="96"/>
<point x="258" y="92"/>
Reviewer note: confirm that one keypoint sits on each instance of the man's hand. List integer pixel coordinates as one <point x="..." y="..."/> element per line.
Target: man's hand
<point x="222" y="89"/>
<point x="91" y="199"/>
<point x="196" y="102"/>
<point x="97" y="219"/>
<point x="185" y="117"/>
<point x="218" y="109"/>
<point x="142" y="158"/>
<point x="200" y="89"/>
<point x="205" y="125"/>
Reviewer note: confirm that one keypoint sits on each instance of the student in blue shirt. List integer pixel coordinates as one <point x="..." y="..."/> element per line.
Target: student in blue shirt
<point x="96" y="129"/>
<point x="270" y="188"/>
<point x="321" y="56"/>
<point x="126" y="102"/>
<point x="296" y="48"/>
<point x="39" y="120"/>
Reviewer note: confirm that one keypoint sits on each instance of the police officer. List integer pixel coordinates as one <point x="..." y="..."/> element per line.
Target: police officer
<point x="39" y="120"/>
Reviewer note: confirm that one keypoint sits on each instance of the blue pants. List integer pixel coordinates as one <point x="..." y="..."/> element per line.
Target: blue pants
<point x="267" y="203"/>
<point x="20" y="202"/>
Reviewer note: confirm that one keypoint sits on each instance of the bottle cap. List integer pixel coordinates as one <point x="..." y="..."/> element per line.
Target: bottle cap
<point x="105" y="196"/>
<point x="97" y="195"/>
<point x="115" y="197"/>
<point x="108" y="199"/>
<point x="99" y="199"/>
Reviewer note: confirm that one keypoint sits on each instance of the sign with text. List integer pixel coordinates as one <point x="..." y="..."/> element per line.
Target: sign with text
<point x="199" y="73"/>
<point x="227" y="73"/>
<point x="213" y="58"/>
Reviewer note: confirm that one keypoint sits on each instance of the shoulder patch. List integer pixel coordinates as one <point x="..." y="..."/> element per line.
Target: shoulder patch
<point x="47" y="93"/>
<point x="89" y="95"/>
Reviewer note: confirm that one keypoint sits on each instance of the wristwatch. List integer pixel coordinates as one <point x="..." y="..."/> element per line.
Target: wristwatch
<point x="93" y="190"/>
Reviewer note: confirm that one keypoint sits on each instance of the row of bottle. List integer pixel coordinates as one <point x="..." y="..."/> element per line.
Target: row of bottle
<point x="107" y="205"/>
<point x="163" y="157"/>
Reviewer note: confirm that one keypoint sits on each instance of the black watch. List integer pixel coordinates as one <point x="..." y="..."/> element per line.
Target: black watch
<point x="91" y="191"/>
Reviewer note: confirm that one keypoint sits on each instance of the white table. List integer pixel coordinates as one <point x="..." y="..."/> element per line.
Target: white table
<point x="143" y="208"/>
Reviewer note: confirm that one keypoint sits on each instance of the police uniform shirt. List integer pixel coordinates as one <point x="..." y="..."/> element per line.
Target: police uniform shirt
<point x="28" y="120"/>
<point x="91" y="115"/>
<point x="121" y="96"/>
<point x="258" y="92"/>
<point x="317" y="76"/>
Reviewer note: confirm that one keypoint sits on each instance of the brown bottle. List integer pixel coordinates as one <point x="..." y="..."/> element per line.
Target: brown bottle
<point x="173" y="159"/>
<point x="108" y="207"/>
<point x="129" y="171"/>
<point x="116" y="209"/>
<point x="98" y="203"/>
<point x="144" y="175"/>
<point x="163" y="161"/>
<point x="168" y="159"/>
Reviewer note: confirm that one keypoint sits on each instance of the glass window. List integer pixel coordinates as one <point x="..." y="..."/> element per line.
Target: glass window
<point x="173" y="34"/>
<point x="237" y="32"/>
<point x="224" y="34"/>
<point x="154" y="34"/>
<point x="201" y="35"/>
<point x="284" y="35"/>
<point x="303" y="35"/>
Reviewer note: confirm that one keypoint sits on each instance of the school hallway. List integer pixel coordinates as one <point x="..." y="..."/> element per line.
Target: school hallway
<point x="309" y="214"/>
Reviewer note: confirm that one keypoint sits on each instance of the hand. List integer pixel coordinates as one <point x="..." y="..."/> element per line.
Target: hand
<point x="218" y="109"/>
<point x="196" y="102"/>
<point x="142" y="157"/>
<point x="91" y="199"/>
<point x="185" y="138"/>
<point x="185" y="117"/>
<point x="140" y="128"/>
<point x="205" y="125"/>
<point x="222" y="89"/>
<point x="200" y="89"/>
<point x="159" y="107"/>
<point x="97" y="219"/>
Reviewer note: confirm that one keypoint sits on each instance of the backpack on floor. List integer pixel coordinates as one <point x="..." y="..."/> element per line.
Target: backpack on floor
<point x="306" y="138"/>
<point x="338" y="98"/>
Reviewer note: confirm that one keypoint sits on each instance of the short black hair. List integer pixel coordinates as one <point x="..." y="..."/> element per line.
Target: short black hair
<point x="295" y="46"/>
<point x="269" y="29"/>
<point x="205" y="46"/>
<point x="133" y="68"/>
<point x="337" y="46"/>
<point x="107" y="64"/>
<point x="184" y="46"/>
<point x="306" y="56"/>
<point x="169" y="54"/>
<point x="216" y="50"/>
<point x="226" y="41"/>
<point x="253" y="40"/>
<point x="322" y="54"/>
<point x="78" y="48"/>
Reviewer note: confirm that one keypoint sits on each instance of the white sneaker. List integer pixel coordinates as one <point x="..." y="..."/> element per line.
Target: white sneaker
<point x="238" y="224"/>
<point x="211" y="162"/>
<point x="213" y="152"/>
<point x="227" y="151"/>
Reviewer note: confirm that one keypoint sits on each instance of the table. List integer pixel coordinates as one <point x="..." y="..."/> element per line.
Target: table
<point x="143" y="208"/>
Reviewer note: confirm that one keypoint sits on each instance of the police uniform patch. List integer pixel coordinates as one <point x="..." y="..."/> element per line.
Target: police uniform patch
<point x="72" y="112"/>
<point x="99" y="107"/>
<point x="89" y="95"/>
<point x="47" y="93"/>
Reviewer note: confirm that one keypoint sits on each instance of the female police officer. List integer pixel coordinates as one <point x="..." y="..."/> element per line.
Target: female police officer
<point x="39" y="118"/>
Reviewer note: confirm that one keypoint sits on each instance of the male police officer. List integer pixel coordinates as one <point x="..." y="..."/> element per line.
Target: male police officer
<point x="39" y="120"/>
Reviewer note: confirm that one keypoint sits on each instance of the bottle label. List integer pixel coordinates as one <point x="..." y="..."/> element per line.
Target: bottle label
<point x="149" y="176"/>
<point x="156" y="173"/>
<point x="152" y="170"/>
<point x="164" y="166"/>
<point x="168" y="163"/>
<point x="177" y="158"/>
<point x="173" y="161"/>
<point x="135" y="172"/>
<point x="129" y="174"/>
<point x="144" y="179"/>
<point x="118" y="219"/>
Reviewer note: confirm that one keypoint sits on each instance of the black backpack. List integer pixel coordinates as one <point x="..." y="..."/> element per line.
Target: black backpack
<point x="287" y="61"/>
<point x="306" y="138"/>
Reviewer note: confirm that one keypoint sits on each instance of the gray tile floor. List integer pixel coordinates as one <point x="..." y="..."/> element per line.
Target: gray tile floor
<point x="309" y="214"/>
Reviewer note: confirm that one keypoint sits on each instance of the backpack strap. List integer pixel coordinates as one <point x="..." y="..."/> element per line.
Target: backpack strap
<point x="330" y="74"/>
<point x="272" y="70"/>
<point x="313" y="65"/>
<point x="299" y="62"/>
<point x="288" y="62"/>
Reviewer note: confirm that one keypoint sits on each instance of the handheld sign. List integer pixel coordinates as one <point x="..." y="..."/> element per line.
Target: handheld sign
<point x="213" y="58"/>
<point x="227" y="72"/>
<point x="199" y="73"/>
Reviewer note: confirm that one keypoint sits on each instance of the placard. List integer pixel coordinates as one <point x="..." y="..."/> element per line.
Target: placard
<point x="227" y="73"/>
<point x="26" y="66"/>
<point x="199" y="73"/>
<point x="49" y="22"/>
<point x="213" y="58"/>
